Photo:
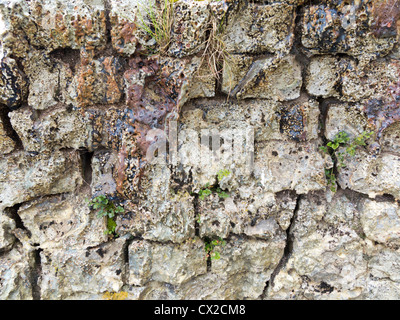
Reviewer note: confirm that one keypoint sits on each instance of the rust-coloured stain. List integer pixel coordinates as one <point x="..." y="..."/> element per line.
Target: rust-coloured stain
<point x="121" y="169"/>
<point x="122" y="33"/>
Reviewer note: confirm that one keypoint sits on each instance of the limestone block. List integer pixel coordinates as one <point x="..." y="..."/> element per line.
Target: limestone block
<point x="49" y="82"/>
<point x="380" y="222"/>
<point x="271" y="120"/>
<point x="15" y="275"/>
<point x="370" y="82"/>
<point x="56" y="24"/>
<point x="257" y="28"/>
<point x="124" y="35"/>
<point x="242" y="271"/>
<point x="203" y="82"/>
<point x="174" y="264"/>
<point x="24" y="176"/>
<point x="323" y="76"/>
<point x="203" y="123"/>
<point x="390" y="140"/>
<point x="266" y="217"/>
<point x="385" y="264"/>
<point x="158" y="213"/>
<point x="293" y="166"/>
<point x="371" y="174"/>
<point x="270" y="78"/>
<point x="6" y="143"/>
<point x="191" y="21"/>
<point x="338" y="27"/>
<point x="327" y="259"/>
<point x="53" y="130"/>
<point x="13" y="85"/>
<point x="213" y="220"/>
<point x="64" y="221"/>
<point x="81" y="273"/>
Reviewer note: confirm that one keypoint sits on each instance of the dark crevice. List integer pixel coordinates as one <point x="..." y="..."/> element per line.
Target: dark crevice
<point x="36" y="273"/>
<point x="287" y="252"/>
<point x="12" y="212"/>
<point x="196" y="206"/>
<point x="126" y="258"/>
<point x="9" y="129"/>
<point x="86" y="160"/>
<point x="67" y="55"/>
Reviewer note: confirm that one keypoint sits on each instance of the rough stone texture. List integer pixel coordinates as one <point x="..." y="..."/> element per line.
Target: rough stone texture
<point x="13" y="86"/>
<point x="24" y="177"/>
<point x="15" y="274"/>
<point x="337" y="27"/>
<point x="7" y="226"/>
<point x="191" y="21"/>
<point x="333" y="256"/>
<point x="257" y="28"/>
<point x="57" y="129"/>
<point x="247" y="263"/>
<point x="123" y="31"/>
<point x="174" y="264"/>
<point x="214" y="136"/>
<point x="6" y="143"/>
<point x="295" y="167"/>
<point x="323" y="76"/>
<point x="74" y="273"/>
<point x="63" y="221"/>
<point x="371" y="174"/>
<point x="272" y="78"/>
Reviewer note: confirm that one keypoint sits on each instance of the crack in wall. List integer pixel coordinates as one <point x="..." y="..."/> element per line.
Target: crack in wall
<point x="287" y="252"/>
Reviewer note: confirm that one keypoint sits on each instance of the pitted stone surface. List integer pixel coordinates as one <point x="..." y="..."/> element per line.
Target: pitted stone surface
<point x="209" y="138"/>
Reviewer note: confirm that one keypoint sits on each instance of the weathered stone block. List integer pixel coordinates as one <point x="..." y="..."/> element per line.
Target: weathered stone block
<point x="338" y="27"/>
<point x="159" y="214"/>
<point x="63" y="221"/>
<point x="123" y="18"/>
<point x="53" y="130"/>
<point x="271" y="78"/>
<point x="257" y="28"/>
<point x="347" y="118"/>
<point x="323" y="76"/>
<point x="291" y="166"/>
<point x="371" y="174"/>
<point x="380" y="222"/>
<point x="15" y="275"/>
<point x="24" y="176"/>
<point x="82" y="273"/>
<point x="188" y="34"/>
<point x="327" y="258"/>
<point x="57" y="24"/>
<point x="99" y="81"/>
<point x="174" y="264"/>
<point x="242" y="271"/>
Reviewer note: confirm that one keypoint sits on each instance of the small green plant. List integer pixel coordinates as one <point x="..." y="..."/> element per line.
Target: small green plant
<point x="158" y="22"/>
<point x="209" y="189"/>
<point x="222" y="174"/>
<point x="210" y="248"/>
<point x="106" y="208"/>
<point x="342" y="139"/>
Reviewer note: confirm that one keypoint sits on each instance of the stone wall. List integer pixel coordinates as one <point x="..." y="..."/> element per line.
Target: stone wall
<point x="86" y="95"/>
